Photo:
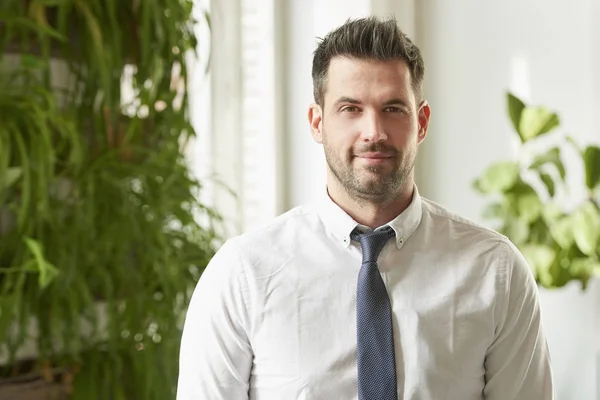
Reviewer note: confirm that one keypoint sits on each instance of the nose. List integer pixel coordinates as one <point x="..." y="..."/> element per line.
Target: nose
<point x="373" y="130"/>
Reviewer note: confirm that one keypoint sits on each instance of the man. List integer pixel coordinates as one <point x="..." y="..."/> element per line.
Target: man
<point x="373" y="292"/>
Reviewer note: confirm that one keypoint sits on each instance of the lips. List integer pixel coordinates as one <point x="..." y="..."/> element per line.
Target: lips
<point x="374" y="156"/>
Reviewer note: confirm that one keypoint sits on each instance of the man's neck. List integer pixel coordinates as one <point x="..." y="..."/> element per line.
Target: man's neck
<point x="371" y="213"/>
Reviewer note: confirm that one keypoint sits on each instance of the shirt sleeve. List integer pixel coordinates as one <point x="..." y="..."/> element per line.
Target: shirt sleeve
<point x="215" y="355"/>
<point x="518" y="362"/>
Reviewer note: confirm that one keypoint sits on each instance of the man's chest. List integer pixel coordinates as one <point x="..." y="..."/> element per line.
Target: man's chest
<point x="304" y="336"/>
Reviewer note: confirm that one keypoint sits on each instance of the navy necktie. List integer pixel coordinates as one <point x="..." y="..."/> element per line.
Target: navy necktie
<point x="375" y="336"/>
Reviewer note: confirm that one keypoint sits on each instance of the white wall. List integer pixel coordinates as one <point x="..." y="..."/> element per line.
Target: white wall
<point x="305" y="166"/>
<point x="547" y="51"/>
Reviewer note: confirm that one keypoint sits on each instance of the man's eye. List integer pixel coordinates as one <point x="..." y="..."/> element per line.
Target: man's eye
<point x="393" y="109"/>
<point x="350" y="109"/>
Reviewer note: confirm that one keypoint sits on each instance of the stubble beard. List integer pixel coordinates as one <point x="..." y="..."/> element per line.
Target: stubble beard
<point x="378" y="185"/>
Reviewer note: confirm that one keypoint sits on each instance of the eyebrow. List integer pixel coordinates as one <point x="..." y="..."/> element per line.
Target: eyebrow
<point x="391" y="102"/>
<point x="345" y="99"/>
<point x="396" y="102"/>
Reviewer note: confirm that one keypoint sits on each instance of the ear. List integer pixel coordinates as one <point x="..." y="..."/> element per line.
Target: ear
<point x="423" y="116"/>
<point x="315" y="119"/>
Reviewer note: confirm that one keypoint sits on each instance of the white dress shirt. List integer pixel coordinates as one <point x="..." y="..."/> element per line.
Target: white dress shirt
<point x="273" y="316"/>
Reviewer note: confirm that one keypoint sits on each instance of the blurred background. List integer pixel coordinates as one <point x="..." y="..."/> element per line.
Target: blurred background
<point x="126" y="160"/>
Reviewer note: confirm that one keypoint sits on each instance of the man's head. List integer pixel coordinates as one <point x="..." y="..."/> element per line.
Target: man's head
<point x="369" y="113"/>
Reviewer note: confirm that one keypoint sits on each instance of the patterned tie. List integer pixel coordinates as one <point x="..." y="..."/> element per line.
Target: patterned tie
<point x="375" y="337"/>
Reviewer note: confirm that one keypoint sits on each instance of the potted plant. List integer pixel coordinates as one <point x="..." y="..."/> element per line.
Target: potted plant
<point x="533" y="201"/>
<point x="102" y="235"/>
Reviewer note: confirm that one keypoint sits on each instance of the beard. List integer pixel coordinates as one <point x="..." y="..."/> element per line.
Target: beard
<point x="376" y="183"/>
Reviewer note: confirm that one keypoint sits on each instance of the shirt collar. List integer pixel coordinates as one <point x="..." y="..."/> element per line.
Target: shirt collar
<point x="340" y="224"/>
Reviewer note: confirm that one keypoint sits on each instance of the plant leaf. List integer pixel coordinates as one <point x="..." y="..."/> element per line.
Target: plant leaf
<point x="552" y="212"/>
<point x="536" y="121"/>
<point x="560" y="226"/>
<point x="515" y="109"/>
<point x="549" y="182"/>
<point x="561" y="231"/>
<point x="498" y="178"/>
<point x="571" y="141"/>
<point x="540" y="258"/>
<point x="50" y="2"/>
<point x="586" y="228"/>
<point x="591" y="159"/>
<point x="28" y="23"/>
<point x="529" y="207"/>
<point x="13" y="174"/>
<point x="584" y="268"/>
<point x="26" y="194"/>
<point x="47" y="271"/>
<point x="516" y="229"/>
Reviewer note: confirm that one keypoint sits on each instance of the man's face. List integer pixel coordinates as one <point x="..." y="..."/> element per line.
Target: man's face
<point x="370" y="126"/>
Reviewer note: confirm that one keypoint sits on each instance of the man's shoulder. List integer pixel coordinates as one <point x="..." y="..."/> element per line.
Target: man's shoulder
<point x="444" y="219"/>
<point x="279" y="230"/>
<point x="472" y="239"/>
<point x="272" y="244"/>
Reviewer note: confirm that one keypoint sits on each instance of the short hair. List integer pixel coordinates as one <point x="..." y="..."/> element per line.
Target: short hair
<point x="366" y="38"/>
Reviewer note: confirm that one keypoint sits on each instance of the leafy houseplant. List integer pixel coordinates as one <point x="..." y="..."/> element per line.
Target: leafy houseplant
<point x="532" y="199"/>
<point x="100" y="234"/>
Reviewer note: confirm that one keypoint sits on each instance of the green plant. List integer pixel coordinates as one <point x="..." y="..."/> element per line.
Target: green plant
<point x="533" y="200"/>
<point x="102" y="236"/>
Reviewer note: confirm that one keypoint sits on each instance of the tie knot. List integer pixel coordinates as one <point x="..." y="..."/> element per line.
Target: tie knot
<point x="372" y="242"/>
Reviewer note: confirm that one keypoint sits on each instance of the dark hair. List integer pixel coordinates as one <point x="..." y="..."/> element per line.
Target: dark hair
<point x="366" y="38"/>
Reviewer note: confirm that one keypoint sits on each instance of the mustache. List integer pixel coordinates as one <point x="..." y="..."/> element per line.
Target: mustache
<point x="376" y="148"/>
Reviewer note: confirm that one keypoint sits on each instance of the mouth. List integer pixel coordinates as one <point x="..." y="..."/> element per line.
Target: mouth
<point x="374" y="155"/>
<point x="374" y="158"/>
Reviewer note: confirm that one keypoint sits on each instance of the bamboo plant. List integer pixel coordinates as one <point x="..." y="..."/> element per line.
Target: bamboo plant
<point x="532" y="198"/>
<point x="102" y="236"/>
